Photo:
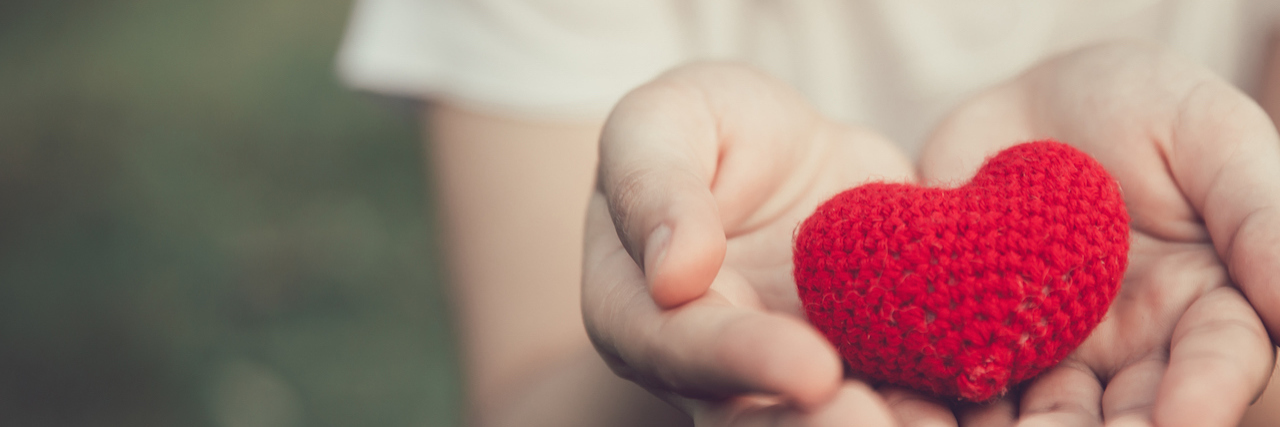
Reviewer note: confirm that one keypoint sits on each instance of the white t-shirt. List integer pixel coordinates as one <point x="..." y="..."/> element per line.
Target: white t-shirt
<point x="895" y="65"/>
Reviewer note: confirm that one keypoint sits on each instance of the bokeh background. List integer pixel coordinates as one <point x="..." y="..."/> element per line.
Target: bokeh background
<point x="199" y="226"/>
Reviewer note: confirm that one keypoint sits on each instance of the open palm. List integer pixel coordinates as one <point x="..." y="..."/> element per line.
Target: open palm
<point x="687" y="285"/>
<point x="1199" y="165"/>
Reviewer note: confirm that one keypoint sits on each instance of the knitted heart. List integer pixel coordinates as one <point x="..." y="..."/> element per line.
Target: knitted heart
<point x="967" y="291"/>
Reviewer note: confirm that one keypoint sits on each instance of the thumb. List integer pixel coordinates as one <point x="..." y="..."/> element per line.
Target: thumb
<point x="702" y="148"/>
<point x="658" y="156"/>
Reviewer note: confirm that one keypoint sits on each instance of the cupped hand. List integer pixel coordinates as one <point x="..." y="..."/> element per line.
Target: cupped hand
<point x="687" y="285"/>
<point x="1184" y="343"/>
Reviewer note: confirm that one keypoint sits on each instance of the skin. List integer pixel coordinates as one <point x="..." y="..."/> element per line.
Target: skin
<point x="528" y="362"/>
<point x="704" y="174"/>
<point x="514" y="288"/>
<point x="687" y="286"/>
<point x="1199" y="163"/>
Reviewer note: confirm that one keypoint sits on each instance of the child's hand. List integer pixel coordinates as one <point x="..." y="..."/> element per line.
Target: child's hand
<point x="1199" y="164"/>
<point x="687" y="287"/>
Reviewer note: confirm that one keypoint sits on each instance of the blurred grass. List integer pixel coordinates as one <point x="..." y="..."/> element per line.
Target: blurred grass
<point x="200" y="227"/>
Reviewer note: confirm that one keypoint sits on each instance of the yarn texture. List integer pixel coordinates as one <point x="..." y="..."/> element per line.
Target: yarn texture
<point x="968" y="291"/>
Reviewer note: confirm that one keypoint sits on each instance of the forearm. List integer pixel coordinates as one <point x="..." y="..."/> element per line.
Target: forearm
<point x="513" y="197"/>
<point x="581" y="391"/>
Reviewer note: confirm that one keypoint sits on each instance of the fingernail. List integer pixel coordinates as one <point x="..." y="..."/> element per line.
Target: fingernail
<point x="655" y="248"/>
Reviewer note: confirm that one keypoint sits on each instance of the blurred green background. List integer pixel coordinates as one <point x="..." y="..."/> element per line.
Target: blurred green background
<point x="200" y="227"/>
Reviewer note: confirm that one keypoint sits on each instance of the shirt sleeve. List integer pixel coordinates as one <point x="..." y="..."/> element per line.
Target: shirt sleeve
<point x="542" y="58"/>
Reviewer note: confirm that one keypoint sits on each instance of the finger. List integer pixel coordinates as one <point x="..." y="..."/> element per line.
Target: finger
<point x="1219" y="362"/>
<point x="1066" y="395"/>
<point x="1131" y="393"/>
<point x="656" y="170"/>
<point x="1266" y="409"/>
<point x="692" y="156"/>
<point x="1225" y="156"/>
<point x="915" y="410"/>
<point x="1001" y="412"/>
<point x="854" y="405"/>
<point x="708" y="348"/>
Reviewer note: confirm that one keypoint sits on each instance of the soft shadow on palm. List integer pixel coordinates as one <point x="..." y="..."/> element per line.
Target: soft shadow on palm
<point x="759" y="246"/>
<point x="1179" y="345"/>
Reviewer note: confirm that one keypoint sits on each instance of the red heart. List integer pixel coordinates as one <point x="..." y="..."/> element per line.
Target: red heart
<point x="967" y="291"/>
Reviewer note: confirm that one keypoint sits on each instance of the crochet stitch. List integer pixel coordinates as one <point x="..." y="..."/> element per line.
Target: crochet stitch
<point x="967" y="291"/>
